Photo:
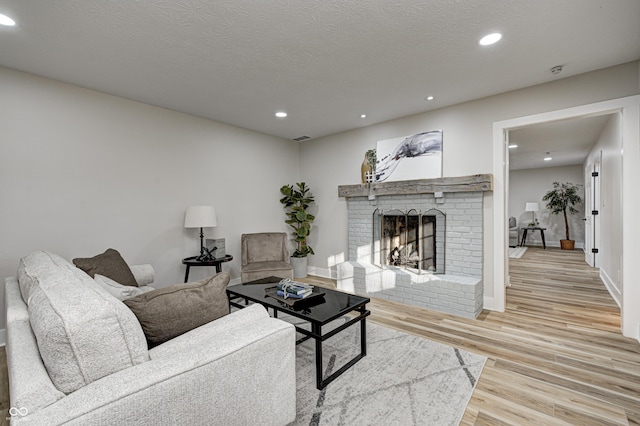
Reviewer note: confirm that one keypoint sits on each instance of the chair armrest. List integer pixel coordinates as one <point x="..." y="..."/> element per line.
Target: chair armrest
<point x="144" y="274"/>
<point x="252" y="364"/>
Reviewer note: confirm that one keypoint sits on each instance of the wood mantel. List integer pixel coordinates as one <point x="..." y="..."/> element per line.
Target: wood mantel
<point x="419" y="186"/>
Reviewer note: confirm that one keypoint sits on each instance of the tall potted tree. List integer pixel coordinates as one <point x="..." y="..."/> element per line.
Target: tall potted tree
<point x="296" y="200"/>
<point x="562" y="199"/>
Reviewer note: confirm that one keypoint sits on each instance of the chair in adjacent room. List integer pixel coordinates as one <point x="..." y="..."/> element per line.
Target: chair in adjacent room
<point x="513" y="232"/>
<point x="264" y="255"/>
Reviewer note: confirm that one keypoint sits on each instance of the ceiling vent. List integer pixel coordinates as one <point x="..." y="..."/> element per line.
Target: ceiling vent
<point x="301" y="138"/>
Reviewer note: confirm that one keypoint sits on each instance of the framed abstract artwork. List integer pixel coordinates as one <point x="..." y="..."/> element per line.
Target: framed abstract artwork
<point x="416" y="156"/>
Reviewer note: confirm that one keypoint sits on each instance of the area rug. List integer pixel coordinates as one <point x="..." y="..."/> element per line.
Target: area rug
<point x="517" y="252"/>
<point x="403" y="380"/>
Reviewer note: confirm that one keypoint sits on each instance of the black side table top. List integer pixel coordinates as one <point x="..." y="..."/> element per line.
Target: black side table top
<point x="191" y="261"/>
<point x="217" y="262"/>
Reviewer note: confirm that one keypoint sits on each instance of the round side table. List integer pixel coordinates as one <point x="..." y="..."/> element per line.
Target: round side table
<point x="217" y="262"/>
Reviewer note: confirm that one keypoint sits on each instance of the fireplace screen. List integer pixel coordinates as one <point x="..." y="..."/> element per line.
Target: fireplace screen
<point x="412" y="240"/>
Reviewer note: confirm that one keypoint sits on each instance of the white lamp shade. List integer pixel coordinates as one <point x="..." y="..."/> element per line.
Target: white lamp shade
<point x="532" y="207"/>
<point x="200" y="217"/>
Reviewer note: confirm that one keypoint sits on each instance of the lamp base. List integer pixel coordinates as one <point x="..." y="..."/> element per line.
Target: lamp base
<point x="206" y="255"/>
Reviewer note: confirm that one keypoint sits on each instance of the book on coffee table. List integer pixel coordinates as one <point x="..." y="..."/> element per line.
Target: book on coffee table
<point x="291" y="300"/>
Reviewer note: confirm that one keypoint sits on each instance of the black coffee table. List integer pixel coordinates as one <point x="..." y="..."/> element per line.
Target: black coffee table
<point x="318" y="311"/>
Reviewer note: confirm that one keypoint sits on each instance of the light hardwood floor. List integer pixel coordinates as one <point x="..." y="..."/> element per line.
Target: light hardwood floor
<point x="556" y="356"/>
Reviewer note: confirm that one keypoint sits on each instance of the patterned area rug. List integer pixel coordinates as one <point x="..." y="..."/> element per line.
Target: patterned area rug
<point x="517" y="252"/>
<point x="403" y="380"/>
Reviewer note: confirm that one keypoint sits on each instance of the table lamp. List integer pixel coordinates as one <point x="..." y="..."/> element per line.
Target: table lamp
<point x="533" y="208"/>
<point x="201" y="217"/>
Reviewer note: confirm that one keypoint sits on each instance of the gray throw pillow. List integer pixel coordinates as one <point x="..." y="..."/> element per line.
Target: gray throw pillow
<point x="171" y="311"/>
<point x="110" y="264"/>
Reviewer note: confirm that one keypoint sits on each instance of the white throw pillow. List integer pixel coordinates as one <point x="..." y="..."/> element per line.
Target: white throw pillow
<point x="119" y="291"/>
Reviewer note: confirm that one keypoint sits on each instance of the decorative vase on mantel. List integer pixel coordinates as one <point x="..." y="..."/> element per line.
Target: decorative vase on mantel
<point x="365" y="169"/>
<point x="368" y="168"/>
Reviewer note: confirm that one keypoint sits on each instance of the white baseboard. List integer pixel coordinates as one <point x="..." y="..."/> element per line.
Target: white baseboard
<point x="488" y="303"/>
<point x="611" y="287"/>
<point x="322" y="272"/>
<point x="552" y="244"/>
<point x="3" y="337"/>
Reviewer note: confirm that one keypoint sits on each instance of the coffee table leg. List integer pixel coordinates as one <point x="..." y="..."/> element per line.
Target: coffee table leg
<point x="363" y="337"/>
<point x="317" y="330"/>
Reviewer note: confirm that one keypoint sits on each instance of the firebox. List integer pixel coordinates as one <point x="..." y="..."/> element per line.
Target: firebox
<point x="411" y="239"/>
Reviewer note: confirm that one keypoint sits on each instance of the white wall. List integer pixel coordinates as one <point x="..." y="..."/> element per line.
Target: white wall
<point x="82" y="171"/>
<point x="530" y="185"/>
<point x="609" y="243"/>
<point x="468" y="142"/>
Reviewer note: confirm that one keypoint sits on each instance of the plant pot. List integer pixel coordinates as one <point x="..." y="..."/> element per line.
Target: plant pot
<point x="299" y="267"/>
<point x="567" y="244"/>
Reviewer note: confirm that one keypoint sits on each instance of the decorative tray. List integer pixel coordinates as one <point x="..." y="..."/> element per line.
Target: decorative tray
<point x="313" y="299"/>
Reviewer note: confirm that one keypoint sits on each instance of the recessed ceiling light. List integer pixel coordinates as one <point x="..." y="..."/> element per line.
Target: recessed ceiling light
<point x="548" y="157"/>
<point x="5" y="20"/>
<point x="490" y="39"/>
<point x="281" y="114"/>
<point x="363" y="115"/>
<point x="429" y="98"/>
<point x="513" y="145"/>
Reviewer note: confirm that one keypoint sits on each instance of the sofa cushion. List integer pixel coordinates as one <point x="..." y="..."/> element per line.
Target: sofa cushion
<point x="34" y="264"/>
<point x="83" y="333"/>
<point x="117" y="290"/>
<point x="29" y="386"/>
<point x="110" y="264"/>
<point x="171" y="311"/>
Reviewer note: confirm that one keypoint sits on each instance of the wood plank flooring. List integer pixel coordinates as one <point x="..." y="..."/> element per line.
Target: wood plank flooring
<point x="556" y="356"/>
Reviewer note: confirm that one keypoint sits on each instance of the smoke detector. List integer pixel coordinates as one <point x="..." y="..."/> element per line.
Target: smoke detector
<point x="556" y="70"/>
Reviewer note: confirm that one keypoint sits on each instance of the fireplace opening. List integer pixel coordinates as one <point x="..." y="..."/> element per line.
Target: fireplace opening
<point x="412" y="240"/>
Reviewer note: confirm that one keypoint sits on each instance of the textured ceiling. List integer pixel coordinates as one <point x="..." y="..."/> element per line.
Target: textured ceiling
<point x="324" y="62"/>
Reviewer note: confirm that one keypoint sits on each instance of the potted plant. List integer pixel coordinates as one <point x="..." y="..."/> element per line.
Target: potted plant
<point x="562" y="198"/>
<point x="296" y="200"/>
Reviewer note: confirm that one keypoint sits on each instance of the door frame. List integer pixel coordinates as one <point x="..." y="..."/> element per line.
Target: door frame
<point x="630" y="110"/>
<point x="592" y="202"/>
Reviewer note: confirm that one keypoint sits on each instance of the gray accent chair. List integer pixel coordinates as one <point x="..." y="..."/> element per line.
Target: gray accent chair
<point x="513" y="232"/>
<point x="264" y="255"/>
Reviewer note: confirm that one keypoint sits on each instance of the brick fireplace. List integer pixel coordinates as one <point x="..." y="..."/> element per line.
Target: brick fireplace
<point x="452" y="281"/>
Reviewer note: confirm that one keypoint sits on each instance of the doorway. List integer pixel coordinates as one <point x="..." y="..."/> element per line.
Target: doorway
<point x="630" y="175"/>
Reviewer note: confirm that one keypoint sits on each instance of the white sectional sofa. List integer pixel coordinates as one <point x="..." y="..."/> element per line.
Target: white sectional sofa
<point x="77" y="355"/>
